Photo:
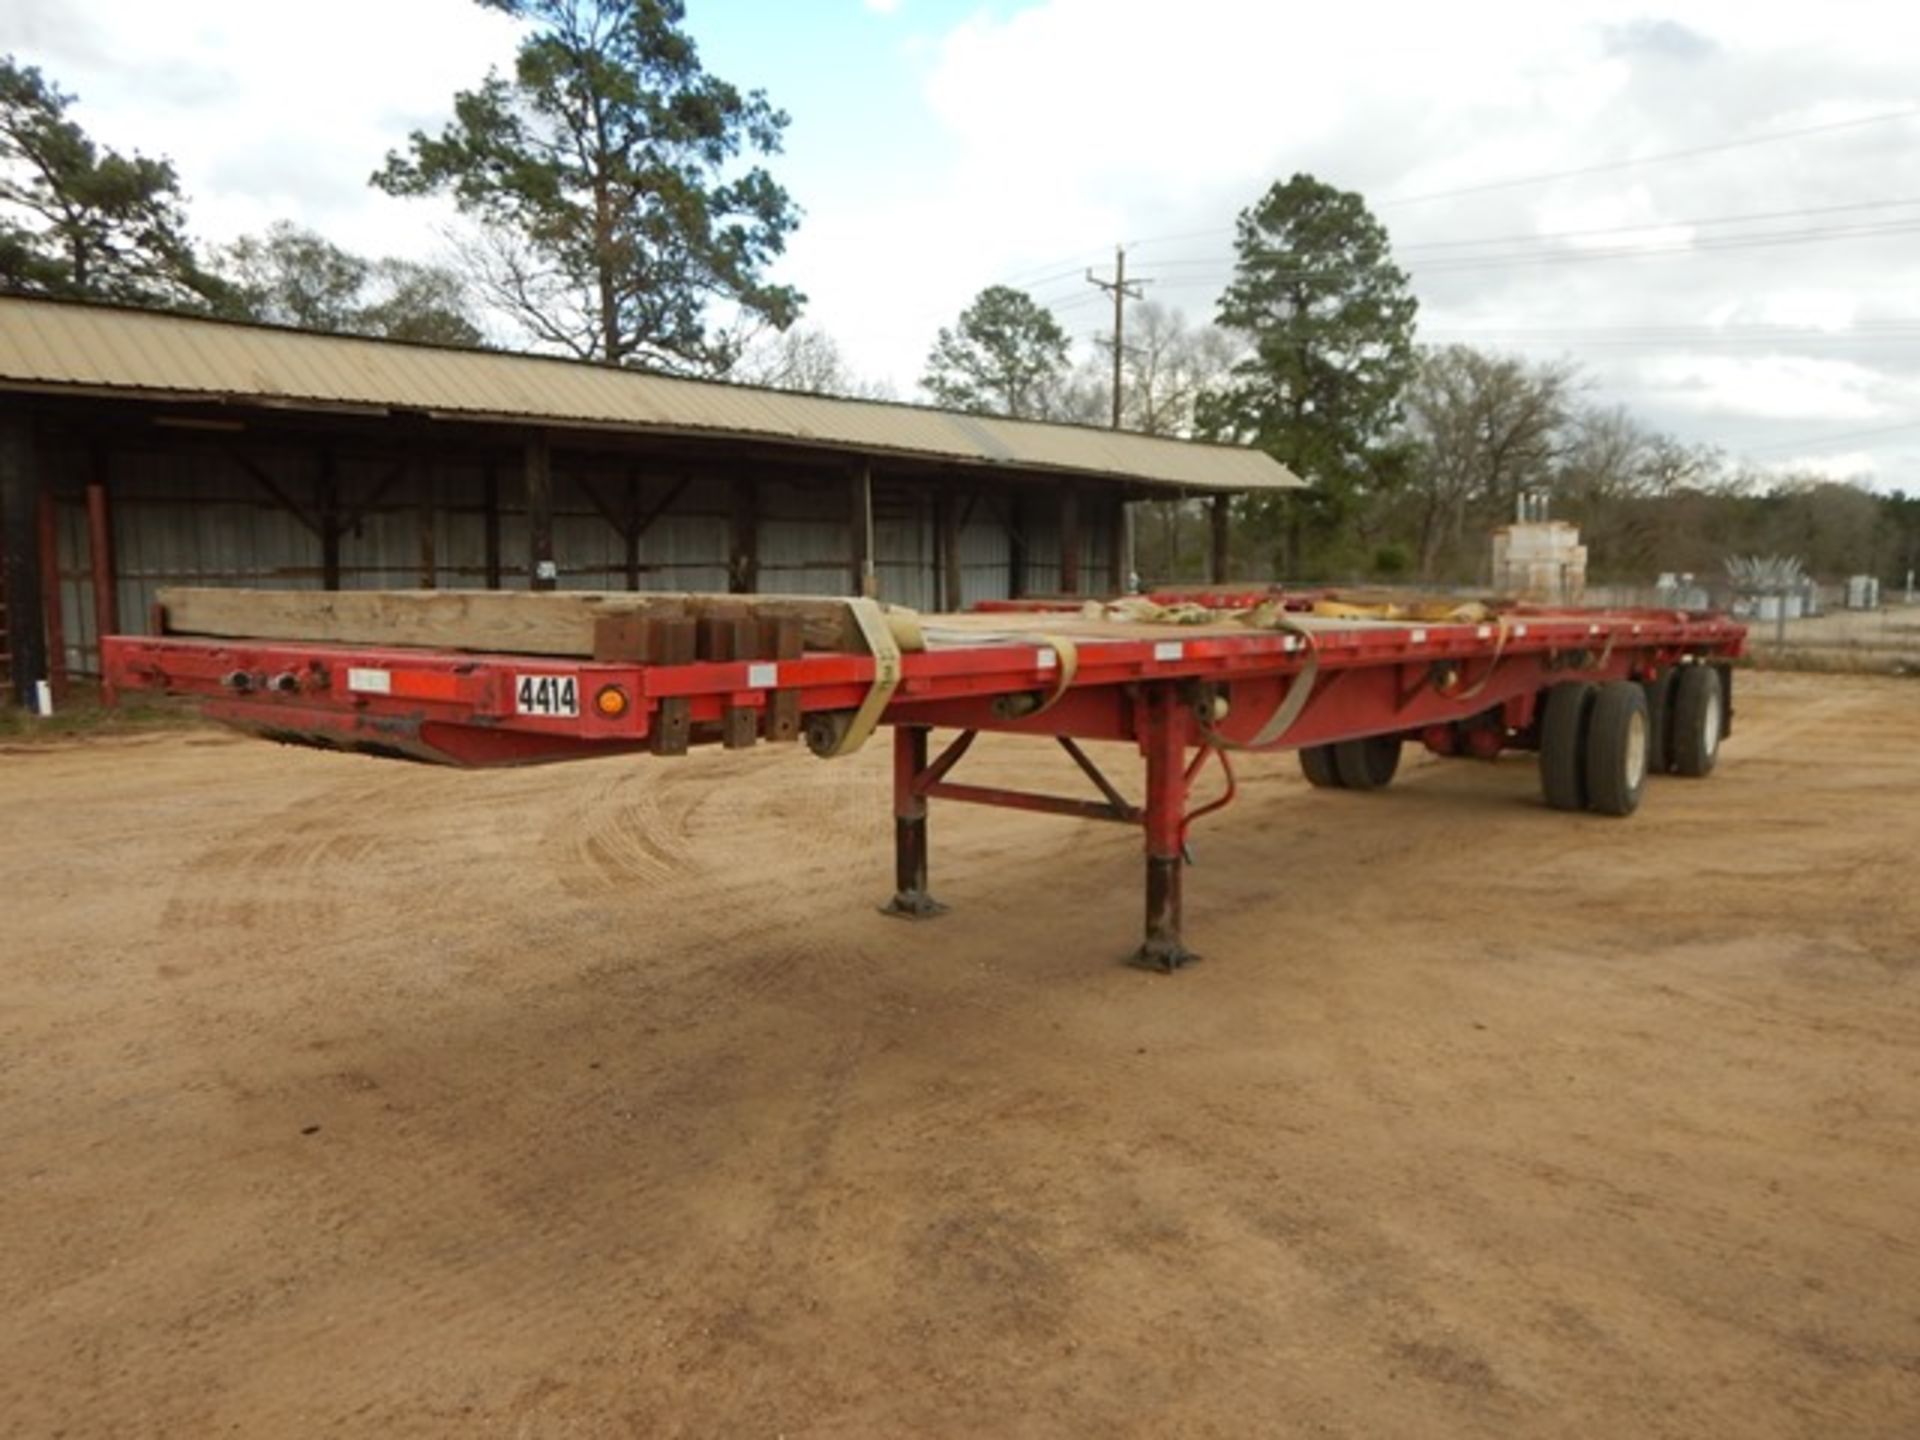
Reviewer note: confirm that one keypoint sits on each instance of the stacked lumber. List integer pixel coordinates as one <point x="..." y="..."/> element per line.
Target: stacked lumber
<point x="616" y="627"/>
<point x="494" y="622"/>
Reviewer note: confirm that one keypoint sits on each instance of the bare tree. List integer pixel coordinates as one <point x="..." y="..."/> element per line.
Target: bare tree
<point x="1488" y="427"/>
<point x="804" y="358"/>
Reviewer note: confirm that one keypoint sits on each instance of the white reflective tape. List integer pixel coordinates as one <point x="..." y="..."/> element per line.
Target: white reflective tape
<point x="1485" y="632"/>
<point x="1290" y="643"/>
<point x="1169" y="650"/>
<point x="762" y="677"/>
<point x="1418" y="637"/>
<point x="370" y="682"/>
<point x="1593" y="629"/>
<point x="1519" y="630"/>
<point x="1045" y="659"/>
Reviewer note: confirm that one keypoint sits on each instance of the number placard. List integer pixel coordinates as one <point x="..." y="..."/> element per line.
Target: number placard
<point x="556" y="696"/>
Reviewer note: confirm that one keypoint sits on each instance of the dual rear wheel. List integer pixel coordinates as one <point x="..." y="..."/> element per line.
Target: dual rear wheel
<point x="1352" y="764"/>
<point x="1599" y="743"/>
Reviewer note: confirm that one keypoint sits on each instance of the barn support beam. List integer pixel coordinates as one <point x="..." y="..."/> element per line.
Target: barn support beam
<point x="26" y="637"/>
<point x="1221" y="516"/>
<point x="47" y="523"/>
<point x="946" y="540"/>
<point x="743" y="538"/>
<point x="421" y="474"/>
<point x="100" y="562"/>
<point x="630" y="535"/>
<point x="866" y="578"/>
<point x="490" y="520"/>
<point x="330" y="522"/>
<point x="537" y="462"/>
<point x="1016" y="548"/>
<point x="1069" y="540"/>
<point x="1120" y="543"/>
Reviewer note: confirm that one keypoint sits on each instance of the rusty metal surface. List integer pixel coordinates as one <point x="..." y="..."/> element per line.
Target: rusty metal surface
<point x="54" y="345"/>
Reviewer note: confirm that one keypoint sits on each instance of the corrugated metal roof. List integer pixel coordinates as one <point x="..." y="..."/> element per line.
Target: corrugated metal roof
<point x="48" y="343"/>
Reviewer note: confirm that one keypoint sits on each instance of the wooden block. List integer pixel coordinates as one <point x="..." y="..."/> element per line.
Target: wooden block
<point x="732" y="637"/>
<point x="670" y="642"/>
<point x="780" y="639"/>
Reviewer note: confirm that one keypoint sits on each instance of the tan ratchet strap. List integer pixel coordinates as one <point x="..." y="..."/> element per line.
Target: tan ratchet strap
<point x="1499" y="648"/>
<point x="883" y="645"/>
<point x="1299" y="691"/>
<point x="1067" y="665"/>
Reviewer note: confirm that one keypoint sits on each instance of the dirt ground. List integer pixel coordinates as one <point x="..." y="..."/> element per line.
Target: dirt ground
<point x="340" y="1096"/>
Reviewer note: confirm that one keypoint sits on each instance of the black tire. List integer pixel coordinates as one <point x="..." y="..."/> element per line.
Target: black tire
<point x="1367" y="764"/>
<point x="1660" y="722"/>
<point x="1619" y="747"/>
<point x="1316" y="763"/>
<point x="1563" y="744"/>
<point x="1698" y="716"/>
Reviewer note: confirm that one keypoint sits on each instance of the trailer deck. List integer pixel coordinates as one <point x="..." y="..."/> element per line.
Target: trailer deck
<point x="1606" y="697"/>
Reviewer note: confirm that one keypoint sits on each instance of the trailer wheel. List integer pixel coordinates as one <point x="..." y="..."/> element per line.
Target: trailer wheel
<point x="1563" y="744"/>
<point x="1367" y="764"/>
<point x="1317" y="764"/>
<point x="1698" y="715"/>
<point x="1619" y="744"/>
<point x="1660" y="722"/>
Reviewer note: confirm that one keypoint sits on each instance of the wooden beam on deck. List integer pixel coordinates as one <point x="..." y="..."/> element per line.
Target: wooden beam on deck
<point x="505" y="622"/>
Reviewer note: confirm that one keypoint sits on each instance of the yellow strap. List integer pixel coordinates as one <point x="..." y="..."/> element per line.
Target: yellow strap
<point x="1499" y="648"/>
<point x="1068" y="655"/>
<point x="1291" y="704"/>
<point x="885" y="649"/>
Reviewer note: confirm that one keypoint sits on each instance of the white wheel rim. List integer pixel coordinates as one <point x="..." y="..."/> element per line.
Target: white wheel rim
<point x="1710" y="722"/>
<point x="1636" y="749"/>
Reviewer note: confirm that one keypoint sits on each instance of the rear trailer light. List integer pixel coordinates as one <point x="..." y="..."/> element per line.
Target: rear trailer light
<point x="610" y="701"/>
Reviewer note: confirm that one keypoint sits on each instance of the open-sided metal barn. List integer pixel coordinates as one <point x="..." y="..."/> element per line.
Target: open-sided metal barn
<point x="139" y="449"/>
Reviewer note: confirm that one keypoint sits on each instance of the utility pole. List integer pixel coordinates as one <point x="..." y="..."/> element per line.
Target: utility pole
<point x="1122" y="291"/>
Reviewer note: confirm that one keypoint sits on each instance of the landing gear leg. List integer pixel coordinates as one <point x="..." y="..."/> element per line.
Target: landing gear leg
<point x="1163" y="736"/>
<point x="910" y="899"/>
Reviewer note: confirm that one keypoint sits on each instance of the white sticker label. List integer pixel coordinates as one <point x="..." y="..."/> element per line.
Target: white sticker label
<point x="762" y="677"/>
<point x="1520" y="631"/>
<point x="370" y="682"/>
<point x="1485" y="632"/>
<point x="1419" y="637"/>
<point x="554" y="695"/>
<point x="1045" y="659"/>
<point x="1168" y="650"/>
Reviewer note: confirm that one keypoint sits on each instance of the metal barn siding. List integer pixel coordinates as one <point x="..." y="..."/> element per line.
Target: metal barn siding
<point x="986" y="551"/>
<point x="806" y="538"/>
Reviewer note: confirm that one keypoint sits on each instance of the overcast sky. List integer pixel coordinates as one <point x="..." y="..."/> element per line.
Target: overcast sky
<point x="1738" y="261"/>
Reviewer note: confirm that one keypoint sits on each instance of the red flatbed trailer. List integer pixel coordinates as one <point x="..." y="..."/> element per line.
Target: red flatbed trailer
<point x="1606" y="696"/>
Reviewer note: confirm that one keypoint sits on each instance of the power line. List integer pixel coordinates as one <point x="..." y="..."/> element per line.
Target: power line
<point x="1820" y="441"/>
<point x="1216" y="272"/>
<point x="1635" y="162"/>
<point x="1601" y="167"/>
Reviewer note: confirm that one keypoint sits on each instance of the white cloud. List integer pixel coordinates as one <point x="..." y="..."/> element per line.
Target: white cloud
<point x="1075" y="123"/>
<point x="268" y="112"/>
